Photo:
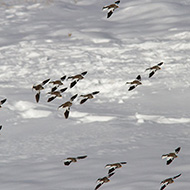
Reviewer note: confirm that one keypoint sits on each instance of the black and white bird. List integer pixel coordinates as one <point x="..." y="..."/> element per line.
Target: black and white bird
<point x="103" y="180"/>
<point x="171" y="156"/>
<point x="168" y="181"/>
<point x="69" y="160"/>
<point x="55" y="94"/>
<point x="88" y="96"/>
<point x="2" y="102"/>
<point x="38" y="88"/>
<point x="76" y="78"/>
<point x="68" y="105"/>
<point x="154" y="68"/>
<point x="114" y="166"/>
<point x="111" y="8"/>
<point x="134" y="83"/>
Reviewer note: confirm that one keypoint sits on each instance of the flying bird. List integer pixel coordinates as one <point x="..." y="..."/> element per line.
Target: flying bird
<point x="171" y="156"/>
<point x="103" y="180"/>
<point x="154" y="68"/>
<point x="58" y="82"/>
<point x="168" y="181"/>
<point x="114" y="166"/>
<point x="69" y="160"/>
<point x="68" y="105"/>
<point x="134" y="83"/>
<point x="2" y="102"/>
<point x="56" y="94"/>
<point x="76" y="78"/>
<point x="111" y="8"/>
<point x="88" y="96"/>
<point x="38" y="88"/>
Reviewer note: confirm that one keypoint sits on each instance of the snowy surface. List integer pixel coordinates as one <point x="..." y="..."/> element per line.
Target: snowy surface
<point x="42" y="39"/>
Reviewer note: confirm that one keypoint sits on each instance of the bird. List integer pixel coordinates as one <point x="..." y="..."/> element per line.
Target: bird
<point x="171" y="156"/>
<point x="68" y="105"/>
<point x="114" y="166"/>
<point x="111" y="8"/>
<point x="69" y="160"/>
<point x="58" y="82"/>
<point x="76" y="78"/>
<point x="56" y="94"/>
<point x="38" y="88"/>
<point x="88" y="96"/>
<point x="154" y="68"/>
<point x="168" y="181"/>
<point x="103" y="180"/>
<point x="134" y="83"/>
<point x="2" y="102"/>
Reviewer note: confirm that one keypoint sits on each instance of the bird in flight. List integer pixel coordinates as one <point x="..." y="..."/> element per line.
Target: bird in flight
<point x="168" y="181"/>
<point x="171" y="156"/>
<point x="154" y="68"/>
<point x="111" y="8"/>
<point x="135" y="83"/>
<point x="69" y="160"/>
<point x="88" y="96"/>
<point x="114" y="166"/>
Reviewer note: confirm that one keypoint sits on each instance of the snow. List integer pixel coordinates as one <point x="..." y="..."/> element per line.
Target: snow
<point x="43" y="39"/>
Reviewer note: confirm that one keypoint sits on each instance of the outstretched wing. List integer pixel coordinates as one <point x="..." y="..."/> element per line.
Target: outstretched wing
<point x="67" y="162"/>
<point x="51" y="98"/>
<point x="123" y="162"/>
<point x="81" y="157"/>
<point x="151" y="74"/>
<point x="45" y="81"/>
<point x="177" y="150"/>
<point x="84" y="73"/>
<point x="97" y="186"/>
<point x="66" y="114"/>
<point x="83" y="100"/>
<point x="110" y="171"/>
<point x="3" y="101"/>
<point x="139" y="77"/>
<point x="96" y="92"/>
<point x="176" y="176"/>
<point x="63" y="78"/>
<point x="163" y="187"/>
<point x="131" y="87"/>
<point x="169" y="161"/>
<point x="73" y="83"/>
<point x="159" y="64"/>
<point x="37" y="97"/>
<point x="117" y="2"/>
<point x="63" y="89"/>
<point x="109" y="13"/>
<point x="73" y="97"/>
<point x="0" y="127"/>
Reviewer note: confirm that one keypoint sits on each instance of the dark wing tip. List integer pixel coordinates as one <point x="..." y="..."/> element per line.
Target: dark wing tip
<point x="111" y="171"/>
<point x="117" y="2"/>
<point x="54" y="89"/>
<point x="73" y="83"/>
<point x="3" y="101"/>
<point x="83" y="100"/>
<point x="45" y="81"/>
<point x="67" y="163"/>
<point x="84" y="73"/>
<point x="177" y="149"/>
<point x="98" y="186"/>
<point x="96" y="92"/>
<point x="161" y="63"/>
<point x="151" y="74"/>
<point x="1" y="127"/>
<point x="37" y="97"/>
<point x="81" y="157"/>
<point x="163" y="187"/>
<point x="109" y="14"/>
<point x="73" y="97"/>
<point x="51" y="98"/>
<point x="63" y="89"/>
<point x="111" y="174"/>
<point x="169" y="161"/>
<point x="63" y="78"/>
<point x="131" y="88"/>
<point x="123" y="162"/>
<point x="176" y="176"/>
<point x="66" y="114"/>
<point x="139" y="77"/>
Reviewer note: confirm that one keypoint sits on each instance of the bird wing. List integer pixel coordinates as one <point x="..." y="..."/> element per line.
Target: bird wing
<point x="123" y="162"/>
<point x="139" y="77"/>
<point x="159" y="64"/>
<point x="81" y="157"/>
<point x="63" y="89"/>
<point x="45" y="81"/>
<point x="66" y="114"/>
<point x="131" y="87"/>
<point x="117" y="2"/>
<point x="151" y="74"/>
<point x="67" y="162"/>
<point x="83" y="100"/>
<point x="73" y="83"/>
<point x="63" y="78"/>
<point x="96" y="92"/>
<point x="37" y="97"/>
<point x="3" y="101"/>
<point x="169" y="160"/>
<point x="97" y="186"/>
<point x="110" y="171"/>
<point x="163" y="187"/>
<point x="176" y="176"/>
<point x="84" y="73"/>
<point x="73" y="97"/>
<point x="51" y="98"/>
<point x="177" y="150"/>
<point x="110" y="13"/>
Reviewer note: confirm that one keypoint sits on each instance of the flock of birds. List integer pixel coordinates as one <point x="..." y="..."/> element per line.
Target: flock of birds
<point x="112" y="167"/>
<point x="56" y="92"/>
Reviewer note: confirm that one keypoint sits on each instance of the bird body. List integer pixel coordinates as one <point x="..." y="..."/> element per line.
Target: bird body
<point x="114" y="166"/>
<point x="168" y="181"/>
<point x="69" y="160"/>
<point x="171" y="156"/>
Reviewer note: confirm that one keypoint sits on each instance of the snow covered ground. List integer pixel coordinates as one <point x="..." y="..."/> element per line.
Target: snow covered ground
<point x="41" y="39"/>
